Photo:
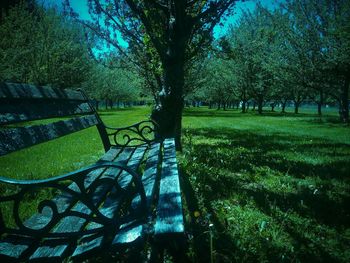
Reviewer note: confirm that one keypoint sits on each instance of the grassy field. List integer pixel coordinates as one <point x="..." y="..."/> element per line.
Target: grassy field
<point x="271" y="188"/>
<point x="275" y="187"/>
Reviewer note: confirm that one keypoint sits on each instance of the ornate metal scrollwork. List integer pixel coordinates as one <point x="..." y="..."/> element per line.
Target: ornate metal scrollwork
<point x="134" y="135"/>
<point x="75" y="190"/>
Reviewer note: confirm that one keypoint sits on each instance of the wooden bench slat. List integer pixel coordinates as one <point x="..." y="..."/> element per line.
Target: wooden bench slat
<point x="16" y="247"/>
<point x="16" y="91"/>
<point x="169" y="210"/>
<point x="74" y="224"/>
<point x="149" y="175"/>
<point x="11" y="112"/>
<point x="111" y="205"/>
<point x="131" y="232"/>
<point x="23" y="137"/>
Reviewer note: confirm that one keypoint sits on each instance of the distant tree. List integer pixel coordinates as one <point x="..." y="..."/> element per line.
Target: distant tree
<point x="249" y="45"/>
<point x="217" y="82"/>
<point x="115" y="84"/>
<point x="41" y="47"/>
<point x="319" y="32"/>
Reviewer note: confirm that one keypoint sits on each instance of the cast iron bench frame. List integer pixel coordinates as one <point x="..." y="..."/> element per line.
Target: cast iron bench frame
<point x="107" y="205"/>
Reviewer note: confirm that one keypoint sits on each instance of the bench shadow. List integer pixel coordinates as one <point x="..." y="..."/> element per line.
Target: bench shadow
<point x="232" y="153"/>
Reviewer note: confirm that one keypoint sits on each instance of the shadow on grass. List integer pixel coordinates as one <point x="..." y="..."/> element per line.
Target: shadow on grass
<point x="276" y="173"/>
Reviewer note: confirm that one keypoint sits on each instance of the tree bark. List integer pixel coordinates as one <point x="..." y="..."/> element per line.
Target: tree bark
<point x="168" y="114"/>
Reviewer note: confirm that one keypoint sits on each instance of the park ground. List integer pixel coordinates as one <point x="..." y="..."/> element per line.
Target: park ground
<point x="270" y="188"/>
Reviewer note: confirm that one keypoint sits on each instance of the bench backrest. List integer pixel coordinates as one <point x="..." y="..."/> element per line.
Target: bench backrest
<point x="20" y="103"/>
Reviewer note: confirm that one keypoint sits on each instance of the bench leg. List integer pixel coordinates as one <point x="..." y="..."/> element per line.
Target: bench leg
<point x="176" y="247"/>
<point x="157" y="253"/>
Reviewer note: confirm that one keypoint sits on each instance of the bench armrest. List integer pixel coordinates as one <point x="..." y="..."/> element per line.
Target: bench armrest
<point x="72" y="187"/>
<point x="137" y="134"/>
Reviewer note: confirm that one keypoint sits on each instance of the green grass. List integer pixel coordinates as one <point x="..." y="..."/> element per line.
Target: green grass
<point x="275" y="187"/>
<point x="66" y="153"/>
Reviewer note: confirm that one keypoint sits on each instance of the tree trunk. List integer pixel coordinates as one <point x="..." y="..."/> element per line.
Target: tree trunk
<point x="319" y="108"/>
<point x="344" y="102"/>
<point x="106" y="104"/>
<point x="260" y="104"/>
<point x="319" y="104"/>
<point x="254" y="105"/>
<point x="168" y="115"/>
<point x="244" y="103"/>
<point x="296" y="107"/>
<point x="284" y="107"/>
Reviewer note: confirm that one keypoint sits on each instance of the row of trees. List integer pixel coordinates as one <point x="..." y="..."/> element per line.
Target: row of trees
<point x="297" y="52"/>
<point x="42" y="47"/>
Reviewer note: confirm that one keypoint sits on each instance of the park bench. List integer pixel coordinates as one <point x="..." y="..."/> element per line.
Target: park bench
<point x="129" y="198"/>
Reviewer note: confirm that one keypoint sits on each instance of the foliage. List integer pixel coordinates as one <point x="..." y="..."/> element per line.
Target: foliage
<point x="42" y="47"/>
<point x="163" y="36"/>
<point x="152" y="27"/>
<point x="297" y="52"/>
<point x="217" y="81"/>
<point x="114" y="84"/>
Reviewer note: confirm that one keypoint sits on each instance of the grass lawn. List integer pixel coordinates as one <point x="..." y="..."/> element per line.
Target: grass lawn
<point x="271" y="188"/>
<point x="275" y="187"/>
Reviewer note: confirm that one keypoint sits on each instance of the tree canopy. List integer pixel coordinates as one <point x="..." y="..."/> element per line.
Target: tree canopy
<point x="42" y="47"/>
<point x="168" y="34"/>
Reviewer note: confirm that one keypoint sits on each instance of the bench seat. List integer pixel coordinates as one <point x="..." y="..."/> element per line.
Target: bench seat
<point x="131" y="195"/>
